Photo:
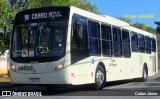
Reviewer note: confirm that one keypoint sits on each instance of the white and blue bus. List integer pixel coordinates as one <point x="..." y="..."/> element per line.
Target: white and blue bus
<point x="71" y="46"/>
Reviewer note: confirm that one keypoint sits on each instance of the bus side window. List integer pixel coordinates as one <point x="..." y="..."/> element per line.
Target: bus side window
<point x="106" y="40"/>
<point x="141" y="43"/>
<point x="117" y="42"/>
<point x="148" y="45"/>
<point x="126" y="44"/>
<point x="94" y="38"/>
<point x="134" y="41"/>
<point x="153" y="45"/>
<point x="79" y="39"/>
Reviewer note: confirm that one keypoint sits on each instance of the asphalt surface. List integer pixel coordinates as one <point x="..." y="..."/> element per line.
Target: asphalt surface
<point x="117" y="89"/>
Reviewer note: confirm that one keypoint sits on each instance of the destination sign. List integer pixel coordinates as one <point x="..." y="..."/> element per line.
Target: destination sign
<point x="43" y="15"/>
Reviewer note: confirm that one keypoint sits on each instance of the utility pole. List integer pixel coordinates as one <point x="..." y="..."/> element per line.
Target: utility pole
<point x="158" y="27"/>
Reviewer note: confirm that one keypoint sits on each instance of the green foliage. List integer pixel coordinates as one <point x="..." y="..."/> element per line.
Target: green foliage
<point x="3" y="45"/>
<point x="3" y="17"/>
<point x="83" y="4"/>
<point x="3" y="11"/>
<point x="124" y="19"/>
<point x="8" y="12"/>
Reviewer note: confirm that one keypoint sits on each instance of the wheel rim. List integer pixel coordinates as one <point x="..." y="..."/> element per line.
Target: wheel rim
<point x="99" y="78"/>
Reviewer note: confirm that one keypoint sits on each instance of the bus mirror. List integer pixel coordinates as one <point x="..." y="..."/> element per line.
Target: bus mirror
<point x="4" y="29"/>
<point x="7" y="22"/>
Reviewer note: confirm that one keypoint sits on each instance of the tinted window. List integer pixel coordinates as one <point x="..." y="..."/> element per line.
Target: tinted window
<point x="41" y="39"/>
<point x="106" y="40"/>
<point x="93" y="28"/>
<point x="94" y="46"/>
<point x="117" y="42"/>
<point x="126" y="44"/>
<point x="125" y="36"/>
<point x="116" y="35"/>
<point x="141" y="41"/>
<point x="134" y="41"/>
<point x="106" y="32"/>
<point x="79" y="36"/>
<point x="153" y="45"/>
<point x="94" y="37"/>
<point x="79" y="39"/>
<point x="148" y="44"/>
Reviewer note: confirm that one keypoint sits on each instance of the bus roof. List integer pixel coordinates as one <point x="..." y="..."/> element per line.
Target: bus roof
<point x="133" y="29"/>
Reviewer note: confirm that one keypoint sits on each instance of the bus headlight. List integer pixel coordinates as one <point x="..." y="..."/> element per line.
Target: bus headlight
<point x="60" y="66"/>
<point x="13" y="67"/>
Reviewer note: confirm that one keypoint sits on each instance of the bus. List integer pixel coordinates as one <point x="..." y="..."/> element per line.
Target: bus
<point x="65" y="45"/>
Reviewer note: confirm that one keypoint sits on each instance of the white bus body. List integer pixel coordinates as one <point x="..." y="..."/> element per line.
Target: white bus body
<point x="75" y="70"/>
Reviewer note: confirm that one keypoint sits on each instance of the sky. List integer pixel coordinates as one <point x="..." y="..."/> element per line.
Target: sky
<point x="142" y="11"/>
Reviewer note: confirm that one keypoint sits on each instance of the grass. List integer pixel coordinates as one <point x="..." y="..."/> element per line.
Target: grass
<point x="4" y="78"/>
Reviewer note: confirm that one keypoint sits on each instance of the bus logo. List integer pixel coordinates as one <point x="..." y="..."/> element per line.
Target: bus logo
<point x="92" y="61"/>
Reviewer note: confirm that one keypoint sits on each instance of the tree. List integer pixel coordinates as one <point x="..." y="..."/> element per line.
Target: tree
<point x="3" y="16"/>
<point x="3" y="12"/>
<point x="124" y="19"/>
<point x="83" y="4"/>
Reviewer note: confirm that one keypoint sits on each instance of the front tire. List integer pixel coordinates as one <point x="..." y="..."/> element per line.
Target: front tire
<point x="100" y="78"/>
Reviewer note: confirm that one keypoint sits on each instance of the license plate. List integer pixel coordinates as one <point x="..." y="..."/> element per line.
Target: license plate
<point x="34" y="80"/>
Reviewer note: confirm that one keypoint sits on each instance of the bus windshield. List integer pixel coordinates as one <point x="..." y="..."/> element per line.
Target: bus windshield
<point x="40" y="39"/>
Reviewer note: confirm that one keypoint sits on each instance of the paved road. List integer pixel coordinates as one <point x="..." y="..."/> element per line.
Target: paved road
<point x="121" y="88"/>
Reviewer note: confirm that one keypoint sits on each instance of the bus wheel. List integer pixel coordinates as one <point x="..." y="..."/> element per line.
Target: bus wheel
<point x="145" y="74"/>
<point x="100" y="78"/>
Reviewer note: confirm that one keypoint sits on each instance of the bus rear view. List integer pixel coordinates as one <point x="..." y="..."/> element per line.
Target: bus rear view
<point x="38" y="46"/>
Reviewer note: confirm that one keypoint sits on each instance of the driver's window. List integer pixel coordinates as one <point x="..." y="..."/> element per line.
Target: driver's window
<point x="79" y="39"/>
